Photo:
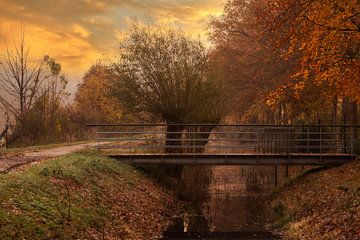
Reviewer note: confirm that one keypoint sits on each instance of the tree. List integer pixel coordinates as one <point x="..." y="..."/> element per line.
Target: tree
<point x="20" y="79"/>
<point x="167" y="74"/>
<point x="93" y="98"/>
<point x="326" y="34"/>
<point x="293" y="60"/>
<point x="252" y="69"/>
<point x="32" y="90"/>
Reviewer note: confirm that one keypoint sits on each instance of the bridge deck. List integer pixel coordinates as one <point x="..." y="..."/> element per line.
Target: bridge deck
<point x="236" y="159"/>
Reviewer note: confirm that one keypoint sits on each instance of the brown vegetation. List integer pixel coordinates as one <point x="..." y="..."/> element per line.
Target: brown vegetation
<point x="321" y="205"/>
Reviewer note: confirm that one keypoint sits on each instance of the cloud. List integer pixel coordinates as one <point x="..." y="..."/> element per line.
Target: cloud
<point x="78" y="32"/>
<point x="78" y="29"/>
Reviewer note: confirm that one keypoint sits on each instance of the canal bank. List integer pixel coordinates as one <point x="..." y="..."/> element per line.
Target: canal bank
<point x="322" y="204"/>
<point x="83" y="195"/>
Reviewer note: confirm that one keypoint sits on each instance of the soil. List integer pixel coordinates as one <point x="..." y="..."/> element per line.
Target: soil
<point x="9" y="163"/>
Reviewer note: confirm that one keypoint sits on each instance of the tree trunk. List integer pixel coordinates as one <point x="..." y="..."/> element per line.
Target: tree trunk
<point x="204" y="133"/>
<point x="173" y="139"/>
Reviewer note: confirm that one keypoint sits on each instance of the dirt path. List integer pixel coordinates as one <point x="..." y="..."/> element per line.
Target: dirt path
<point x="9" y="163"/>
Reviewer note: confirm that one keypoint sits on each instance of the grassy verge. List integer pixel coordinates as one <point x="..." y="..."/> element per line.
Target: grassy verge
<point x="322" y="204"/>
<point x="18" y="150"/>
<point x="82" y="196"/>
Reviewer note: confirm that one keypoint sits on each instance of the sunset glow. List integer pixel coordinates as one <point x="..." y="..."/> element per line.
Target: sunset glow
<point x="78" y="32"/>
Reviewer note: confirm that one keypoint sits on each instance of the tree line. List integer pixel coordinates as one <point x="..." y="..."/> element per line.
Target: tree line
<point x="282" y="62"/>
<point x="291" y="61"/>
<point x="32" y="95"/>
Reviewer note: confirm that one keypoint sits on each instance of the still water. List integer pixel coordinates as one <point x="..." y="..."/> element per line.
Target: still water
<point x="236" y="206"/>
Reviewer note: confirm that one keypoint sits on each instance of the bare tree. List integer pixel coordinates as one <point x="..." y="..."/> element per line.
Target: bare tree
<point x="20" y="78"/>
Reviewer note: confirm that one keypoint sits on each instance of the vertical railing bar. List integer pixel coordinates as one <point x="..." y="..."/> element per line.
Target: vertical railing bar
<point x="276" y="175"/>
<point x="344" y="138"/>
<point x="337" y="140"/>
<point x="257" y="143"/>
<point x="308" y="139"/>
<point x="289" y="143"/>
<point x="96" y="138"/>
<point x="194" y="135"/>
<point x="191" y="135"/>
<point x="226" y="149"/>
<point x="352" y="141"/>
<point x="289" y="152"/>
<point x="320" y="128"/>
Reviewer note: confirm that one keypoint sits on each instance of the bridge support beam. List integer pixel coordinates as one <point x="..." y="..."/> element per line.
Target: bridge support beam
<point x="235" y="159"/>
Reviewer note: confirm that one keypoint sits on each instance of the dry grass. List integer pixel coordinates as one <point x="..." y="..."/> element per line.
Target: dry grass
<point x="321" y="205"/>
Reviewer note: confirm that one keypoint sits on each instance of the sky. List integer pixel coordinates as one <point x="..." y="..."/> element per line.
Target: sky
<point x="79" y="32"/>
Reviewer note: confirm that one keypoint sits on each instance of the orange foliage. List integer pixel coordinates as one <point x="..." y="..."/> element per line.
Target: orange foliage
<point x="326" y="36"/>
<point x="93" y="99"/>
<point x="252" y="69"/>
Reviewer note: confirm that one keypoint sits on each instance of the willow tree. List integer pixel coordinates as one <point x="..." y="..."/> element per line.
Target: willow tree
<point x="165" y="73"/>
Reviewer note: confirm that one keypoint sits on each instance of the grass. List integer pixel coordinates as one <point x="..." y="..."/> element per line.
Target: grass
<point x="82" y="196"/>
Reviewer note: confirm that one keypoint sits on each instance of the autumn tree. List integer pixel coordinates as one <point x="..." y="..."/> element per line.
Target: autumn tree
<point x="283" y="58"/>
<point x="326" y="34"/>
<point x="165" y="73"/>
<point x="93" y="99"/>
<point x="252" y="69"/>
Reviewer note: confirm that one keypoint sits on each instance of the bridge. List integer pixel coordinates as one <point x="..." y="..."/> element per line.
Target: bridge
<point x="229" y="144"/>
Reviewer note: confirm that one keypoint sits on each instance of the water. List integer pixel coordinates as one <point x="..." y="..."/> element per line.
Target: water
<point x="236" y="206"/>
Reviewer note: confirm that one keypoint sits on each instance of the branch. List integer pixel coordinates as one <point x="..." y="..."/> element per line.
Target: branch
<point x="9" y="106"/>
<point x="332" y="27"/>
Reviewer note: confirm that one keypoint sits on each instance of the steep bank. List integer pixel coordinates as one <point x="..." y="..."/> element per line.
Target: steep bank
<point x="82" y="196"/>
<point x="323" y="204"/>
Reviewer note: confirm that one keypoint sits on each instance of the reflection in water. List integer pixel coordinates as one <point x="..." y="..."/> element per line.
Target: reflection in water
<point x="236" y="206"/>
<point x="238" y="198"/>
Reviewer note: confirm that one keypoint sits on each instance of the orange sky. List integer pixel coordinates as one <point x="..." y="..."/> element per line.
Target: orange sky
<point x="78" y="32"/>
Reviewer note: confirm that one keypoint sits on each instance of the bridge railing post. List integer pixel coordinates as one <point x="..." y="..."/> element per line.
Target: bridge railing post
<point x="338" y="140"/>
<point x="289" y="142"/>
<point x="308" y="139"/>
<point x="352" y="141"/>
<point x="320" y="130"/>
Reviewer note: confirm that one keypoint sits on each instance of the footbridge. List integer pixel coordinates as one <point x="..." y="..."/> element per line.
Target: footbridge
<point x="229" y="144"/>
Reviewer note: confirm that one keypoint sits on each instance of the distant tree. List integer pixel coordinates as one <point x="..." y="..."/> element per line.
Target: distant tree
<point x="251" y="68"/>
<point x="165" y="73"/>
<point x="93" y="99"/>
<point x="21" y="78"/>
<point x="32" y="90"/>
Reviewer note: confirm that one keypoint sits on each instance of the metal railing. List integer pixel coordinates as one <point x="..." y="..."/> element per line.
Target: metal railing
<point x="227" y="138"/>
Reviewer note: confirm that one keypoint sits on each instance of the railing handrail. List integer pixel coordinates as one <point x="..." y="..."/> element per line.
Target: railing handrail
<point x="232" y="138"/>
<point x="216" y="125"/>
